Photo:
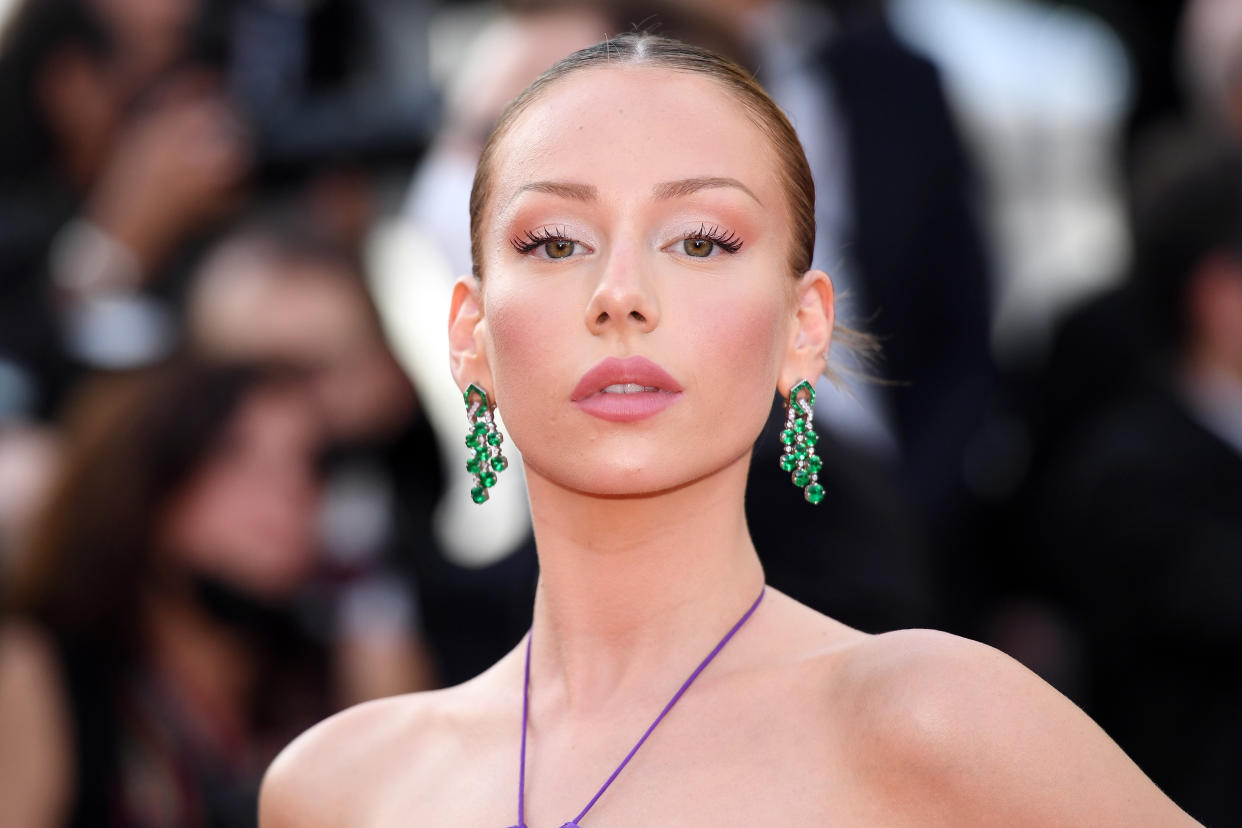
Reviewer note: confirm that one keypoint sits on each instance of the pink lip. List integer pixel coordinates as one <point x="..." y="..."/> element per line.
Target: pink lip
<point x="625" y="408"/>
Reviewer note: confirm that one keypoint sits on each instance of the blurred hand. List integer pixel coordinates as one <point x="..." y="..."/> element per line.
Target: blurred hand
<point x="177" y="164"/>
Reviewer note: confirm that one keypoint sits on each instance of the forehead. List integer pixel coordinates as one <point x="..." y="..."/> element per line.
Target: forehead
<point x="627" y="127"/>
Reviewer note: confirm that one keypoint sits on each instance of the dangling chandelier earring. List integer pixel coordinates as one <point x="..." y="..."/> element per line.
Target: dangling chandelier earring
<point x="484" y="440"/>
<point x="799" y="458"/>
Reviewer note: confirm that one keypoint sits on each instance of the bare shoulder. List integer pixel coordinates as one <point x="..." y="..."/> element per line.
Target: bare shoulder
<point x="356" y="767"/>
<point x="322" y="776"/>
<point x="311" y="780"/>
<point x="946" y="725"/>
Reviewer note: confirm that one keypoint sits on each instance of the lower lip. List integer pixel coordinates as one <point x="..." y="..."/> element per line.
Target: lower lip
<point x="627" y="408"/>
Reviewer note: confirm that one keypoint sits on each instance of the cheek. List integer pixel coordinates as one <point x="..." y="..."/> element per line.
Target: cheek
<point x="742" y="333"/>
<point x="530" y="336"/>
<point x="739" y="346"/>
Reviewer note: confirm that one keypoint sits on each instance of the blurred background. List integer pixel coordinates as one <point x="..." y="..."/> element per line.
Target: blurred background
<point x="232" y="496"/>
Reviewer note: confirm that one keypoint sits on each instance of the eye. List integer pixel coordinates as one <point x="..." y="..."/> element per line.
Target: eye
<point x="559" y="249"/>
<point x="707" y="241"/>
<point x="699" y="248"/>
<point x="547" y="243"/>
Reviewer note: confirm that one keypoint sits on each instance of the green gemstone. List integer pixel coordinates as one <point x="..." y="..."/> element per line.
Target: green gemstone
<point x="801" y="477"/>
<point x="799" y="425"/>
<point x="814" y="493"/>
<point x="472" y="440"/>
<point x="473" y="390"/>
<point x="488" y="479"/>
<point x="814" y="463"/>
<point x="473" y="465"/>
<point x="480" y="428"/>
<point x="499" y="463"/>
<point x="478" y="494"/>
<point x="495" y="438"/>
<point x="811" y="437"/>
<point x="788" y="462"/>
<point x="787" y="436"/>
<point x="803" y="387"/>
<point x="800" y="452"/>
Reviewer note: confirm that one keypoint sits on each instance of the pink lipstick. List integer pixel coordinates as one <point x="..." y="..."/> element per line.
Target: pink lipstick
<point x="625" y="390"/>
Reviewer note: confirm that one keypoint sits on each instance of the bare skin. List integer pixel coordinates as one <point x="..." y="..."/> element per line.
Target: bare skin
<point x="645" y="557"/>
<point x="830" y="727"/>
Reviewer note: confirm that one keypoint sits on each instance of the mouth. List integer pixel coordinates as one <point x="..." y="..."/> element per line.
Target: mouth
<point x="625" y="390"/>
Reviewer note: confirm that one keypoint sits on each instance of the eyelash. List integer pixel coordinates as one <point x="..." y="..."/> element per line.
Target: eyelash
<point x="728" y="241"/>
<point x="529" y="240"/>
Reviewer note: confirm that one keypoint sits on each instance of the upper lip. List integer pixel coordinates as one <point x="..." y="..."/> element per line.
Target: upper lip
<point x="612" y="371"/>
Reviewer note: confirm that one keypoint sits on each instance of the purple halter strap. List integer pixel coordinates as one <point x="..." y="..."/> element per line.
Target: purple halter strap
<point x="574" y="823"/>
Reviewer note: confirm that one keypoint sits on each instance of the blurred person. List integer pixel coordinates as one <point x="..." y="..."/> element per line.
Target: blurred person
<point x="120" y="148"/>
<point x="279" y="292"/>
<point x="646" y="200"/>
<point x="1140" y="513"/>
<point x="153" y="654"/>
<point x="1042" y="91"/>
<point x="283" y="294"/>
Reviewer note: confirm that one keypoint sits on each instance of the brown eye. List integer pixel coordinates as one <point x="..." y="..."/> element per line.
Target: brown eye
<point x="559" y="249"/>
<point x="700" y="248"/>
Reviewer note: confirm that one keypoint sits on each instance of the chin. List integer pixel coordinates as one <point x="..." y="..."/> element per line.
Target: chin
<point x="622" y="477"/>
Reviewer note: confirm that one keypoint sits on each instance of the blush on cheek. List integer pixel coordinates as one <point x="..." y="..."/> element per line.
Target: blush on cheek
<point x="741" y="346"/>
<point x="527" y="347"/>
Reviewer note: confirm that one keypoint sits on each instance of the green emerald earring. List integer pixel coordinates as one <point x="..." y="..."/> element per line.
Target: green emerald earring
<point x="484" y="440"/>
<point x="799" y="439"/>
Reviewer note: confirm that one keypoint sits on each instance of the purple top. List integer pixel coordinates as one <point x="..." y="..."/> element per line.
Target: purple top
<point x="574" y="823"/>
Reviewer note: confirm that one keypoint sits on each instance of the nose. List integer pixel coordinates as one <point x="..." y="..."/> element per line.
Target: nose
<point x="624" y="298"/>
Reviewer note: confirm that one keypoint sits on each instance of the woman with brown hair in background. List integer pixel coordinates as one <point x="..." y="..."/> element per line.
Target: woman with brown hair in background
<point x="151" y="661"/>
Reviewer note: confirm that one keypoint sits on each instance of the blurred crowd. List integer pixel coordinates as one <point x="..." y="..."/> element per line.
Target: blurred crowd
<point x="232" y="491"/>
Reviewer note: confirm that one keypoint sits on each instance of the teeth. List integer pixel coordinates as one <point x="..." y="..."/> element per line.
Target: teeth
<point x="627" y="388"/>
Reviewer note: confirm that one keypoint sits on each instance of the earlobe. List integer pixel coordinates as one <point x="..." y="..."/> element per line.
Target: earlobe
<point x="467" y="357"/>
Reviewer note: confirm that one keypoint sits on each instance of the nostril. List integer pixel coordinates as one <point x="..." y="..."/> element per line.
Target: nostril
<point x="602" y="318"/>
<point x="637" y="316"/>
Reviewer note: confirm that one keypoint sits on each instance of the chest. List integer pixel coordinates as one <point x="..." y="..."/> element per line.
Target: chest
<point x="712" y="763"/>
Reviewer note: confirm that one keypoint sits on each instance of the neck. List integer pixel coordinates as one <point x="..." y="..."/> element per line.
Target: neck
<point x="636" y="587"/>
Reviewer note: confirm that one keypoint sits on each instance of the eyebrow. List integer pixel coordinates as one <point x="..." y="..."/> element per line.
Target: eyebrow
<point x="664" y="191"/>
<point x="564" y="189"/>
<point x="689" y="186"/>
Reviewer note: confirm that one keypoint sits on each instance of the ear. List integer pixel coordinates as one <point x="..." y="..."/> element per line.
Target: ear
<point x="807" y="354"/>
<point x="467" y="355"/>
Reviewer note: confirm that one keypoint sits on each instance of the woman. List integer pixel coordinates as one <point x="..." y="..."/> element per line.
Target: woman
<point x="150" y="663"/>
<point x="641" y="223"/>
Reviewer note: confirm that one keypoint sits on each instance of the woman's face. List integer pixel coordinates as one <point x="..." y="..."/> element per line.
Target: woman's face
<point x="636" y="218"/>
<point x="247" y="515"/>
